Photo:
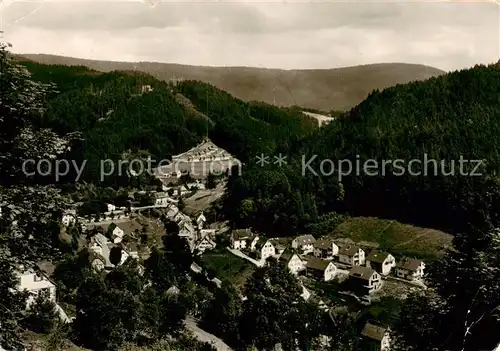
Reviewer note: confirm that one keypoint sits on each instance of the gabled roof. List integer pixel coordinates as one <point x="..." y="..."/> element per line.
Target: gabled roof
<point x="287" y="255"/>
<point x="316" y="263"/>
<point x="173" y="290"/>
<point x="305" y="239"/>
<point x="361" y="272"/>
<point x="377" y="256"/>
<point x="159" y="195"/>
<point x="280" y="243"/>
<point x="410" y="264"/>
<point x="323" y="244"/>
<point x="260" y="244"/>
<point x="373" y="331"/>
<point x="349" y="250"/>
<point x="240" y="234"/>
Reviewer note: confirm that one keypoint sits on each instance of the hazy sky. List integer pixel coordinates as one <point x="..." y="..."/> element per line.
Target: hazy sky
<point x="274" y="34"/>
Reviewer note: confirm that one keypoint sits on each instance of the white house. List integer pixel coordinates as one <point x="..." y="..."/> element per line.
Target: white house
<point x="265" y="249"/>
<point x="410" y="269"/>
<point x="352" y="255"/>
<point x="364" y="280"/>
<point x="305" y="243"/>
<point x="294" y="263"/>
<point x="320" y="269"/>
<point x="201" y="220"/>
<point x="240" y="238"/>
<point x="116" y="234"/>
<point x="161" y="199"/>
<point x="68" y="217"/>
<point x="146" y="89"/>
<point x="35" y="283"/>
<point x="207" y="232"/>
<point x="325" y="248"/>
<point x="382" y="262"/>
<point x="186" y="229"/>
<point x="172" y="211"/>
<point x="205" y="243"/>
<point x="111" y="208"/>
<point x="376" y="337"/>
<point x="101" y="246"/>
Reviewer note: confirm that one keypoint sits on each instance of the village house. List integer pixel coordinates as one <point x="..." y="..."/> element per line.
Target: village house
<point x="201" y="220"/>
<point x="116" y="233"/>
<point x="375" y="337"/>
<point x="181" y="217"/>
<point x="186" y="229"/>
<point x="410" y="269"/>
<point x="161" y="199"/>
<point x="240" y="238"/>
<point x="352" y="255"/>
<point x="364" y="280"/>
<point x="101" y="246"/>
<point x="132" y="250"/>
<point x="382" y="262"/>
<point x="204" y="243"/>
<point x="280" y="245"/>
<point x="325" y="248"/>
<point x="304" y="243"/>
<point x="320" y="269"/>
<point x="172" y="210"/>
<point x="265" y="249"/>
<point x="294" y="263"/>
<point x="68" y="217"/>
<point x="34" y="283"/>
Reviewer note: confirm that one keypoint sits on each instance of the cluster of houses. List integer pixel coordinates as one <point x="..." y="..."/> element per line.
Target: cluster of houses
<point x="70" y="217"/>
<point x="199" y="238"/>
<point x="323" y="258"/>
<point x="109" y="236"/>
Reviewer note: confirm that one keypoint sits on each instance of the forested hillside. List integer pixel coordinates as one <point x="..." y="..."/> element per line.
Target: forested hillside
<point x="118" y="120"/>
<point x="323" y="89"/>
<point x="446" y="118"/>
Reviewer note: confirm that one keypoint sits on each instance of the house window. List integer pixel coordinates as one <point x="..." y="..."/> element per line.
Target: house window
<point x="38" y="278"/>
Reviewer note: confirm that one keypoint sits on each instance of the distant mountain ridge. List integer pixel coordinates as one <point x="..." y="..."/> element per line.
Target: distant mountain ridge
<point x="321" y="89"/>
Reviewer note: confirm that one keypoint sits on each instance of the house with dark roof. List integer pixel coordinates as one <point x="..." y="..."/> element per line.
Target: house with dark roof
<point x="380" y="261"/>
<point x="325" y="248"/>
<point x="363" y="280"/>
<point x="240" y="238"/>
<point x="352" y="254"/>
<point x="293" y="261"/>
<point x="304" y="243"/>
<point x="375" y="337"/>
<point x="280" y="244"/>
<point x="319" y="268"/>
<point x="410" y="269"/>
<point x="265" y="249"/>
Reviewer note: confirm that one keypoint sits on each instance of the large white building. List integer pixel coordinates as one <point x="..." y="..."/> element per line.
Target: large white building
<point x="35" y="283"/>
<point x="199" y="162"/>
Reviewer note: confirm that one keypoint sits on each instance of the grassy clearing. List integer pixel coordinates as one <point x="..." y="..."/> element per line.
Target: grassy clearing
<point x="397" y="238"/>
<point x="227" y="266"/>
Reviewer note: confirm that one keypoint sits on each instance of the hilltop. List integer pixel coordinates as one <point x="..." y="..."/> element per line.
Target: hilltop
<point x="321" y="89"/>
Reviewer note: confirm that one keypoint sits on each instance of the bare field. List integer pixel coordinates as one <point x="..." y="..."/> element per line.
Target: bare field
<point x="395" y="237"/>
